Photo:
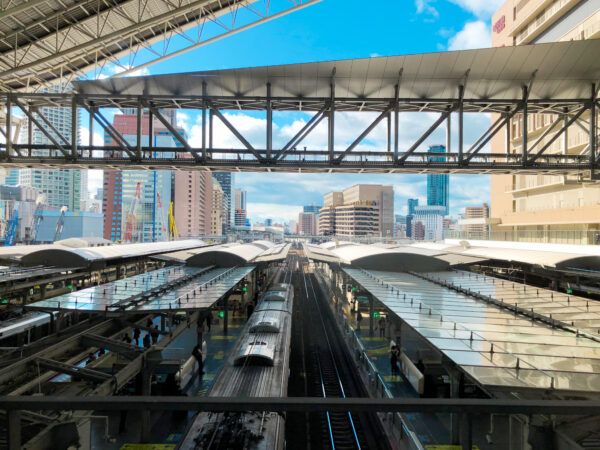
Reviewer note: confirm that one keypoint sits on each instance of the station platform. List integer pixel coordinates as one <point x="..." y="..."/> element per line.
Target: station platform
<point x="168" y="428"/>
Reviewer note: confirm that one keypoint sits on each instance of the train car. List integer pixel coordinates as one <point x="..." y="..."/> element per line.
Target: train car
<point x="17" y="330"/>
<point x="258" y="367"/>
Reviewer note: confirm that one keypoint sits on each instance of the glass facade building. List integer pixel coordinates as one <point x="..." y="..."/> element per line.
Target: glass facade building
<point x="438" y="186"/>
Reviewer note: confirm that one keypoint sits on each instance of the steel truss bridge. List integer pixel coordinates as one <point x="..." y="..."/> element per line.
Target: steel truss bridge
<point x="559" y="79"/>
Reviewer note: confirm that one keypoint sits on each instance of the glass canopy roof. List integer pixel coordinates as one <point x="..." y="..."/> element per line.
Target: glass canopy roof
<point x="497" y="348"/>
<point x="167" y="289"/>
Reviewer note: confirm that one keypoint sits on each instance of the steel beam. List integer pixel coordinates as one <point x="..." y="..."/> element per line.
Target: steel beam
<point x="127" y="350"/>
<point x="303" y="404"/>
<point x="69" y="369"/>
<point x="105" y="124"/>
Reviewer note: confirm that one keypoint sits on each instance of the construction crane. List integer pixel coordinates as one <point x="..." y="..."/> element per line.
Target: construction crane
<point x="130" y="223"/>
<point x="60" y="224"/>
<point x="37" y="216"/>
<point x="163" y="222"/>
<point x="11" y="230"/>
<point x="173" y="233"/>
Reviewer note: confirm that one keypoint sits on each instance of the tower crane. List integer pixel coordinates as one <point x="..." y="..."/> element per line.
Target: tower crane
<point x="163" y="222"/>
<point x="37" y="216"/>
<point x="60" y="224"/>
<point x="130" y="223"/>
<point x="173" y="233"/>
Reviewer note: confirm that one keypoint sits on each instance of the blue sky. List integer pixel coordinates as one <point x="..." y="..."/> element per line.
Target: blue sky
<point x="340" y="29"/>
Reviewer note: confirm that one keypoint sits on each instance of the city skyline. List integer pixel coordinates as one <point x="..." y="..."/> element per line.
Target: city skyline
<point x="304" y="37"/>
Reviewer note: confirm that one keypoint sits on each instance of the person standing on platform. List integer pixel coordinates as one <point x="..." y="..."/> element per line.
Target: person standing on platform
<point x="382" y="325"/>
<point x="359" y="318"/>
<point x="154" y="334"/>
<point x="394" y="353"/>
<point x="146" y="341"/>
<point x="197" y="353"/>
<point x="208" y="320"/>
<point x="249" y="309"/>
<point x="136" y="336"/>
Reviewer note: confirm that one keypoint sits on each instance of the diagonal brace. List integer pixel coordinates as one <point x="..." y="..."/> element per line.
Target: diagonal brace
<point x="366" y="132"/>
<point x="173" y="131"/>
<point x="304" y="131"/>
<point x="235" y="132"/>
<point x="33" y="120"/>
<point x="425" y="135"/>
<point x="121" y="142"/>
<point x="127" y="350"/>
<point x="557" y="135"/>
<point x="491" y="133"/>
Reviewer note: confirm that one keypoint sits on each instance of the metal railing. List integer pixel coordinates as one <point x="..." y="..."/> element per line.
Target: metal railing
<point x="575" y="237"/>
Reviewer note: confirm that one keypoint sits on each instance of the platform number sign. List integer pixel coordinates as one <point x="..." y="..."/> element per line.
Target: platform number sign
<point x="376" y="315"/>
<point x="221" y="314"/>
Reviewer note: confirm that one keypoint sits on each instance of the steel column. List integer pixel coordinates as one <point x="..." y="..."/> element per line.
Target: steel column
<point x="396" y="120"/>
<point x="331" y="123"/>
<point x="371" y="312"/>
<point x="74" y="126"/>
<point x="565" y="142"/>
<point x="204" y="120"/>
<point x="8" y="135"/>
<point x="150" y="130"/>
<point x="389" y="132"/>
<point x="461" y="92"/>
<point x="593" y="133"/>
<point x="138" y="147"/>
<point x="507" y="135"/>
<point x="466" y="431"/>
<point x="525" y="127"/>
<point x="91" y="131"/>
<point x="449" y="134"/>
<point x="210" y="130"/>
<point x="269" y="122"/>
<point x="14" y="429"/>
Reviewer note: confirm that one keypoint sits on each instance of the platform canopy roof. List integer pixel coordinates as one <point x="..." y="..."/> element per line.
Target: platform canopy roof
<point x="169" y="289"/>
<point x="95" y="257"/>
<point x="500" y="350"/>
<point x="563" y="70"/>
<point x="557" y="256"/>
<point x="234" y="254"/>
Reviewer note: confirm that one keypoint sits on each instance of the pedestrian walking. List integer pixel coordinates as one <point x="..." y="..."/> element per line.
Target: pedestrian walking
<point x="382" y="325"/>
<point x="146" y="341"/>
<point x="359" y="318"/>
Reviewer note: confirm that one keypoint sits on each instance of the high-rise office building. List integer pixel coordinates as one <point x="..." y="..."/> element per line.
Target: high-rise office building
<point x="227" y="182"/>
<point x="312" y="208"/>
<point x="431" y="216"/>
<point x="474" y="222"/>
<point x="558" y="209"/>
<point x="412" y="204"/>
<point x="307" y="223"/>
<point x="240" y="208"/>
<point x="193" y="202"/>
<point x="362" y="210"/>
<point x="218" y="210"/>
<point x="438" y="185"/>
<point x="61" y="187"/>
<point x="120" y="188"/>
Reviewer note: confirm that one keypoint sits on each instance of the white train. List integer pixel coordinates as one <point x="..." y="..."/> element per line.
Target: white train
<point x="257" y="367"/>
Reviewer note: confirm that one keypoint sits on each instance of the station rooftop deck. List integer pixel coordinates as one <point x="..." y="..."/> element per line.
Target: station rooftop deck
<point x="97" y="257"/>
<point x="498" y="349"/>
<point x="169" y="289"/>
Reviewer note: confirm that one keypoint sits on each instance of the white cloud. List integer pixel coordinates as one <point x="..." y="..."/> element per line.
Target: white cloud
<point x="258" y="212"/>
<point x="481" y="8"/>
<point x="473" y="35"/>
<point x="423" y="6"/>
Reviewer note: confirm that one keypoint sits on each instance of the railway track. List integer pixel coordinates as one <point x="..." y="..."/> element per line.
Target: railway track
<point x="328" y="372"/>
